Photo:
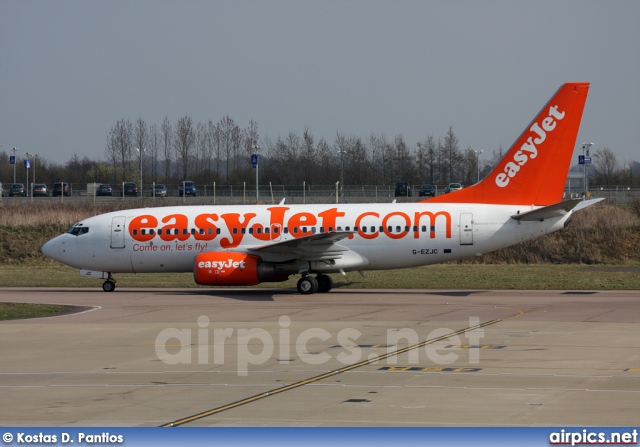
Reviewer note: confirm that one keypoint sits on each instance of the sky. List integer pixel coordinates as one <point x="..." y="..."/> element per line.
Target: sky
<point x="70" y="69"/>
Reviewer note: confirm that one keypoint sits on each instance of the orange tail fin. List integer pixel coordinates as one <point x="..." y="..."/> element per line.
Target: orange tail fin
<point x="534" y="170"/>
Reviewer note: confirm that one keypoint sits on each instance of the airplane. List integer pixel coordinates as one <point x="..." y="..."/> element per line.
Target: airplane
<point x="243" y="245"/>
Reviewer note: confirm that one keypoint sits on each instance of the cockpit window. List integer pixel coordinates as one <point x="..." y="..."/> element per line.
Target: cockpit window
<point x="77" y="230"/>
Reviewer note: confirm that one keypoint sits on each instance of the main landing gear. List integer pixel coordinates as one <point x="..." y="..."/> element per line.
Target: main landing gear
<point x="109" y="285"/>
<point x="308" y="285"/>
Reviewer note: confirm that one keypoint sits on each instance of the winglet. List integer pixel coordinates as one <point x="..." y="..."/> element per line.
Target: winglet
<point x="534" y="170"/>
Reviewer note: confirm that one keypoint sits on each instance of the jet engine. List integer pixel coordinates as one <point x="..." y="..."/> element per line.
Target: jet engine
<point x="229" y="268"/>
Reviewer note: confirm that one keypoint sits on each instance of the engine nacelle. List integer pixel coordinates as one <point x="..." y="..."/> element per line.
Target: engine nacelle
<point x="229" y="268"/>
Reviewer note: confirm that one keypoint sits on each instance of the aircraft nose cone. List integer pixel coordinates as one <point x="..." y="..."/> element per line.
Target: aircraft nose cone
<point x="50" y="249"/>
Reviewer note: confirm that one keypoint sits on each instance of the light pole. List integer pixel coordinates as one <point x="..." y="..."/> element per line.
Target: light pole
<point x="14" y="163"/>
<point x="35" y="157"/>
<point x="141" y="151"/>
<point x="26" y="165"/>
<point x="585" y="153"/>
<point x="478" y="162"/>
<point x="257" y="148"/>
<point x="342" y="152"/>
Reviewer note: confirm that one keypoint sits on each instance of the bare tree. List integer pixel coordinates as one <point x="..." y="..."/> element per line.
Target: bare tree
<point x="606" y="168"/>
<point x="184" y="142"/>
<point x="404" y="161"/>
<point x="227" y="128"/>
<point x="154" y="149"/>
<point x="377" y="147"/>
<point x="452" y="155"/>
<point x="219" y="148"/>
<point x="250" y="138"/>
<point x="468" y="167"/>
<point x="308" y="157"/>
<point x="426" y="159"/>
<point x="209" y="148"/>
<point x="326" y="163"/>
<point x="200" y="150"/>
<point x="119" y="146"/>
<point x="167" y="144"/>
<point x="236" y="148"/>
<point x="141" y="141"/>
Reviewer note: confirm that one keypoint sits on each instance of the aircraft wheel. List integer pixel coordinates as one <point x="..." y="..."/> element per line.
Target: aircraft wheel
<point x="108" y="286"/>
<point x="325" y="283"/>
<point x="307" y="285"/>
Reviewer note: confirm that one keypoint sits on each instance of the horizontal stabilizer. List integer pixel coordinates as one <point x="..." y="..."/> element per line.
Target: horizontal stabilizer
<point x="548" y="212"/>
<point x="586" y="203"/>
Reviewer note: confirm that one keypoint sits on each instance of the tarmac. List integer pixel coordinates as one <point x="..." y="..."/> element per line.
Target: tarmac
<point x="272" y="357"/>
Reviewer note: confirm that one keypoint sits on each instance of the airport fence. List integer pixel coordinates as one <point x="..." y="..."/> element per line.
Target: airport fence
<point x="270" y="194"/>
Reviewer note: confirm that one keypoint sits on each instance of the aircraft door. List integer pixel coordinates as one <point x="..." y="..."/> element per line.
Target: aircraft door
<point x="466" y="229"/>
<point x="117" y="232"/>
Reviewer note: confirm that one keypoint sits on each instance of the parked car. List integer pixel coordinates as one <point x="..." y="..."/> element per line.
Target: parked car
<point x="427" y="190"/>
<point x="130" y="189"/>
<point x="403" y="189"/>
<point x="17" y="189"/>
<point x="187" y="188"/>
<point x="452" y="187"/>
<point x="40" y="190"/>
<point x="104" y="190"/>
<point x="160" y="190"/>
<point x="60" y="188"/>
<point x="4" y="191"/>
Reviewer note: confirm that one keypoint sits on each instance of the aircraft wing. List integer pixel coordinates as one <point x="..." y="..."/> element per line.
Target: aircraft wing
<point x="317" y="247"/>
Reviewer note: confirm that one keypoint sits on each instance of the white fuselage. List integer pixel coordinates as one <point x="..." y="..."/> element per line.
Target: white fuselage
<point x="385" y="236"/>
